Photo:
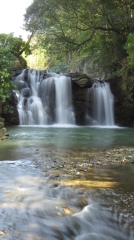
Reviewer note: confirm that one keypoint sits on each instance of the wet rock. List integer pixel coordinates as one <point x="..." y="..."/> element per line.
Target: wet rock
<point x="2" y="233"/>
<point x="67" y="211"/>
<point x="37" y="151"/>
<point x="132" y="159"/>
<point x="82" y="202"/>
<point x="81" y="80"/>
<point x="2" y="120"/>
<point x="2" y="132"/>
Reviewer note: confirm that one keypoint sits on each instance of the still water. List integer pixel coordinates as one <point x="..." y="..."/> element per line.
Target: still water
<point x="69" y="137"/>
<point x="35" y="206"/>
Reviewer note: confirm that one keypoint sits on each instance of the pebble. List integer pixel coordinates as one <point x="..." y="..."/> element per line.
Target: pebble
<point x="2" y="233"/>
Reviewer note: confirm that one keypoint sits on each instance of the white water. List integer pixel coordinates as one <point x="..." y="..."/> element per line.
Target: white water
<point x="103" y="104"/>
<point x="48" y="101"/>
<point x="64" y="109"/>
<point x="44" y="101"/>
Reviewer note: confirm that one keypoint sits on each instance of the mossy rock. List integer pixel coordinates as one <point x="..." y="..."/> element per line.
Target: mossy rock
<point x="2" y="119"/>
<point x="82" y="82"/>
<point x="2" y="132"/>
<point x="1" y="125"/>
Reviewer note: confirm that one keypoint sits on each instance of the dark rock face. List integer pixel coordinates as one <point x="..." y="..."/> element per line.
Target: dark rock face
<point x="122" y="116"/>
<point x="79" y="103"/>
<point x="115" y="85"/>
<point x="80" y="85"/>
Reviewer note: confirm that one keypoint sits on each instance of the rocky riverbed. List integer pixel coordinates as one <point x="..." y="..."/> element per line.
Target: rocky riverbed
<point x="97" y="170"/>
<point x="70" y="166"/>
<point x="70" y="175"/>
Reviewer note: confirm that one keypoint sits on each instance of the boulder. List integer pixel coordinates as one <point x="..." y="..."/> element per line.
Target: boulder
<point x="2" y="120"/>
<point x="2" y="129"/>
<point x="1" y="124"/>
<point x="82" y="80"/>
<point x="2" y="132"/>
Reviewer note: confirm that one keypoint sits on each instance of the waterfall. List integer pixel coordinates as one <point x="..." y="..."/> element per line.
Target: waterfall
<point x="44" y="101"/>
<point x="64" y="110"/>
<point x="103" y="104"/>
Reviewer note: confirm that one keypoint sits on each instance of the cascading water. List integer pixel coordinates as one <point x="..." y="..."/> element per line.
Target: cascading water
<point x="103" y="104"/>
<point x="44" y="101"/>
<point x="30" y="107"/>
<point x="64" y="110"/>
<point x="47" y="99"/>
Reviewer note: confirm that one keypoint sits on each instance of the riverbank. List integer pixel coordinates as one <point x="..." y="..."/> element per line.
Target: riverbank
<point x="93" y="158"/>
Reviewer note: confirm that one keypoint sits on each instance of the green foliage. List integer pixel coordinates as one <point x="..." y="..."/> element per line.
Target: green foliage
<point x="62" y="67"/>
<point x="18" y="45"/>
<point x="39" y="58"/>
<point x="6" y="61"/>
<point x="130" y="49"/>
<point x="87" y="27"/>
<point x="19" y="48"/>
<point x="109" y="51"/>
<point x="10" y="49"/>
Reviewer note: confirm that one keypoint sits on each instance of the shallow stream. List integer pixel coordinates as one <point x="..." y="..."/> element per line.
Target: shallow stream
<point x="54" y="185"/>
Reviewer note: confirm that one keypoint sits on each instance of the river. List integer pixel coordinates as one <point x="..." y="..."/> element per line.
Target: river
<point x="62" y="183"/>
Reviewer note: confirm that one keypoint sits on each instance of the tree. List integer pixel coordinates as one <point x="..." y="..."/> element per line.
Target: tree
<point x="10" y="49"/>
<point x="87" y="27"/>
<point x="18" y="47"/>
<point x="130" y="49"/>
<point x="39" y="58"/>
<point x="6" y="61"/>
